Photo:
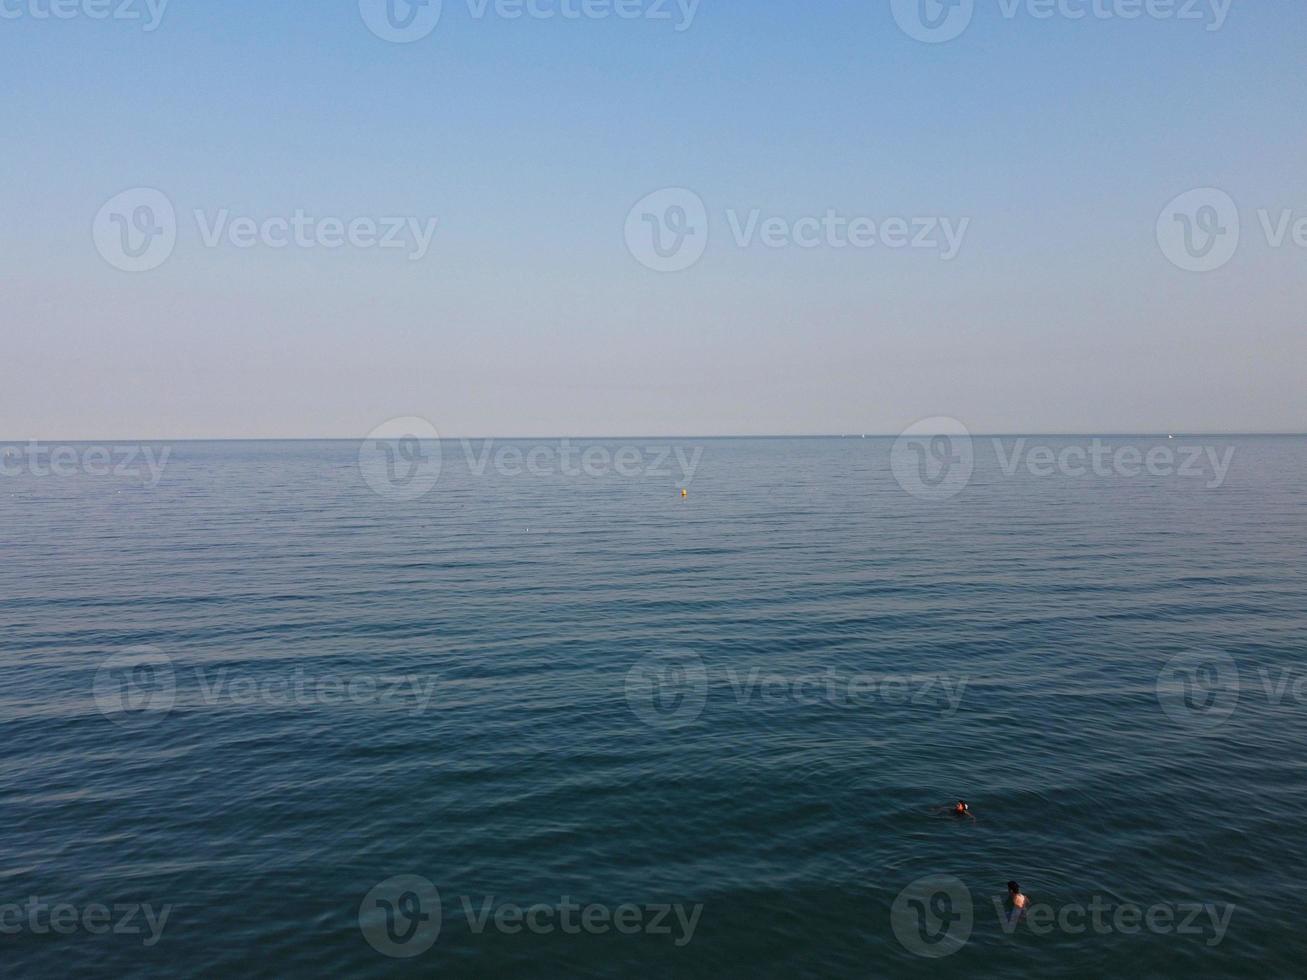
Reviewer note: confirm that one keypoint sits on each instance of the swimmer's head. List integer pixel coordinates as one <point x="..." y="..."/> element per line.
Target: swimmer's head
<point x="960" y="806"/>
<point x="1014" y="888"/>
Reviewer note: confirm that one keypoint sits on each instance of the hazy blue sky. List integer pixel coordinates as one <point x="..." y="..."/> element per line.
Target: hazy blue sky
<point x="1059" y="141"/>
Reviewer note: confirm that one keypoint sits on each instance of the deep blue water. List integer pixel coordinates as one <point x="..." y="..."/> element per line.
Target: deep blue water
<point x="343" y="687"/>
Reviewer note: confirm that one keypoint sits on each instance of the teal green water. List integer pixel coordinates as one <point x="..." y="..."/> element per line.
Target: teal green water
<point x="703" y="736"/>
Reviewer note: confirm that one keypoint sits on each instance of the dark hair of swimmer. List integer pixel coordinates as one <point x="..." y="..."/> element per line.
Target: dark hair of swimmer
<point x="1014" y="888"/>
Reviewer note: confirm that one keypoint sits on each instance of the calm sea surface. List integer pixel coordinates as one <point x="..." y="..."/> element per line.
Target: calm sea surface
<point x="295" y="716"/>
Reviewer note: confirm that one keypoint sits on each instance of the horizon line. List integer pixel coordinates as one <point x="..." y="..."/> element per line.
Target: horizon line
<point x="646" y="438"/>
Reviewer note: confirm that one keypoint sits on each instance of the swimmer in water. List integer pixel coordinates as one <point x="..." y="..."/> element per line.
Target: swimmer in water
<point x="1019" y="901"/>
<point x="959" y="809"/>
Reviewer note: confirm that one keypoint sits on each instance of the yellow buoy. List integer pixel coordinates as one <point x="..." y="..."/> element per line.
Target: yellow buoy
<point x="685" y="493"/>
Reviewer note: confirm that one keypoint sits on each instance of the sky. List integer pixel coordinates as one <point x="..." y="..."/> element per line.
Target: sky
<point x="651" y="217"/>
